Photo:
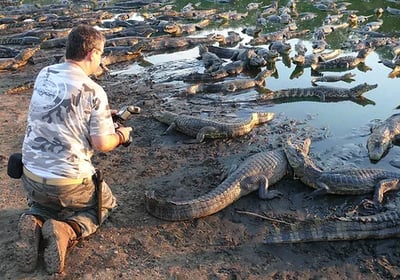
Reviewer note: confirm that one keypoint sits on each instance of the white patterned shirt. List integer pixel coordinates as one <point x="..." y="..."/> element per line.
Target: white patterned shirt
<point x="67" y="107"/>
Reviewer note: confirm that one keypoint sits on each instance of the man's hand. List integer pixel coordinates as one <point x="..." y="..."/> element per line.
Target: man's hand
<point x="126" y="131"/>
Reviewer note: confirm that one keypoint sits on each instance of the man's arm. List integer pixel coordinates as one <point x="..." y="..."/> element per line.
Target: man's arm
<point x="109" y="142"/>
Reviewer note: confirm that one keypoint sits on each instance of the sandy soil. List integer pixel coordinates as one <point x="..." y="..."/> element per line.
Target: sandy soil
<point x="228" y="245"/>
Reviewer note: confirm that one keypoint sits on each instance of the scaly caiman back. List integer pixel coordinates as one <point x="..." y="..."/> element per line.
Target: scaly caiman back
<point x="258" y="172"/>
<point x="378" y="226"/>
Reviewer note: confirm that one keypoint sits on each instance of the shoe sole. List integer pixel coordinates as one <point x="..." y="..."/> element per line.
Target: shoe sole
<point x="52" y="258"/>
<point x="27" y="247"/>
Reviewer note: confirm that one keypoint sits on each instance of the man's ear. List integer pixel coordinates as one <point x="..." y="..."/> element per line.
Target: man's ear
<point x="90" y="55"/>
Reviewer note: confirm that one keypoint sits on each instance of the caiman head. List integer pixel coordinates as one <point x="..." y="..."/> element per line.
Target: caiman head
<point x="268" y="55"/>
<point x="378" y="144"/>
<point x="217" y="37"/>
<point x="299" y="59"/>
<point x="165" y="117"/>
<point x="260" y="78"/>
<point x="364" y="52"/>
<point x="255" y="59"/>
<point x="348" y="76"/>
<point x="262" y="117"/>
<point x="297" y="154"/>
<point x="359" y="90"/>
<point x="27" y="53"/>
<point x="172" y="28"/>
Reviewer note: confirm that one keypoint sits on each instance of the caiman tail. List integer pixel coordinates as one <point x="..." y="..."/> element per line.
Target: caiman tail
<point x="379" y="226"/>
<point x="257" y="172"/>
<point x="191" y="209"/>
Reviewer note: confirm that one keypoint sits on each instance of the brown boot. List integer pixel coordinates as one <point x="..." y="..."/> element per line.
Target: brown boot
<point x="27" y="247"/>
<point x="58" y="237"/>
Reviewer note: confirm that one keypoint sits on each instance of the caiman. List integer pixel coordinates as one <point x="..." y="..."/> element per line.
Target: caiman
<point x="323" y="93"/>
<point x="229" y="69"/>
<point x="232" y="85"/>
<point x="378" y="226"/>
<point x="19" y="60"/>
<point x="123" y="41"/>
<point x="8" y="3"/>
<point x="344" y="62"/>
<point x="252" y="57"/>
<point x="279" y="35"/>
<point x="382" y="136"/>
<point x="26" y="40"/>
<point x="310" y="59"/>
<point x="121" y="54"/>
<point x="7" y="52"/>
<point x="179" y="29"/>
<point x="258" y="172"/>
<point x="392" y="64"/>
<point x="281" y="47"/>
<point x="204" y="128"/>
<point x="54" y="43"/>
<point x="248" y="60"/>
<point x="231" y="39"/>
<point x="161" y="43"/>
<point x="21" y="88"/>
<point x="354" y="181"/>
<point x="211" y="61"/>
<point x="347" y="77"/>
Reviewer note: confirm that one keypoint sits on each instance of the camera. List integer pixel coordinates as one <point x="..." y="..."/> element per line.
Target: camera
<point x="122" y="116"/>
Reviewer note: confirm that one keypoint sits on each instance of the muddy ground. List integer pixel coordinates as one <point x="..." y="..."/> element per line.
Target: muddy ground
<point x="132" y="244"/>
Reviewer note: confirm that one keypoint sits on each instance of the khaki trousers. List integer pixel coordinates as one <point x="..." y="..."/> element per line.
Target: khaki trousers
<point x="76" y="203"/>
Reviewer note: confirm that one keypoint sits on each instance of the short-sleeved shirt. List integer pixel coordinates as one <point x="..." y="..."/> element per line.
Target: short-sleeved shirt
<point x="67" y="107"/>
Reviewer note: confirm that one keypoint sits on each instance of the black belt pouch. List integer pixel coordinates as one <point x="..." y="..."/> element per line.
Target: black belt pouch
<point x="15" y="166"/>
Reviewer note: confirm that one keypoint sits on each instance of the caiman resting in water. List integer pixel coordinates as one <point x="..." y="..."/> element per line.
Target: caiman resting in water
<point x="314" y="59"/>
<point x="232" y="85"/>
<point x="378" y="226"/>
<point x="243" y="55"/>
<point x="343" y="182"/>
<point x="347" y="77"/>
<point x="323" y="93"/>
<point x="215" y="69"/>
<point x="382" y="137"/>
<point x="257" y="172"/>
<point x="343" y="62"/>
<point x="202" y="128"/>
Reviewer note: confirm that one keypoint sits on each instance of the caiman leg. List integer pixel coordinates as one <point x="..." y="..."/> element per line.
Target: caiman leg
<point x="263" y="191"/>
<point x="199" y="137"/>
<point x="172" y="126"/>
<point x="384" y="186"/>
<point x="381" y="188"/>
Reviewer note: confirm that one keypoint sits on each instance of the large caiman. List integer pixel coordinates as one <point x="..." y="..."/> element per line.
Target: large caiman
<point x="378" y="226"/>
<point x="382" y="137"/>
<point x="232" y="85"/>
<point x="353" y="181"/>
<point x="19" y="60"/>
<point x="248" y="60"/>
<point x="347" y="77"/>
<point x="343" y="62"/>
<point x="258" y="172"/>
<point x="323" y="93"/>
<point x="205" y="128"/>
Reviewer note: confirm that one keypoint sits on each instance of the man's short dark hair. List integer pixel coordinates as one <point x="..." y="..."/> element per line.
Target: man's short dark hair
<point x="81" y="40"/>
